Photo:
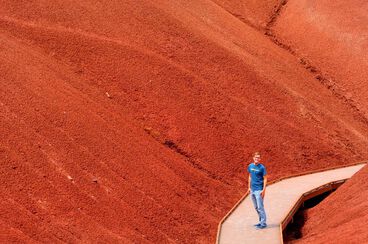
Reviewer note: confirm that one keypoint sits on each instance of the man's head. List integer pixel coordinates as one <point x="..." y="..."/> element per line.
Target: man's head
<point x="256" y="157"/>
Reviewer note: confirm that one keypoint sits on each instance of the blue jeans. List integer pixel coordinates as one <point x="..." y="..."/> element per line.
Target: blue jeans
<point x="258" y="205"/>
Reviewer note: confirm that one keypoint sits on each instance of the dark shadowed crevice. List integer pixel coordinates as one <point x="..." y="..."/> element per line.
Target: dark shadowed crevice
<point x="188" y="157"/>
<point x="275" y="15"/>
<point x="293" y="231"/>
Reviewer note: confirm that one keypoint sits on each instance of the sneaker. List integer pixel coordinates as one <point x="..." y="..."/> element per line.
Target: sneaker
<point x="256" y="225"/>
<point x="261" y="226"/>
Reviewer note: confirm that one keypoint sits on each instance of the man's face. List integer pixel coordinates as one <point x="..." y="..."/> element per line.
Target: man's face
<point x="257" y="158"/>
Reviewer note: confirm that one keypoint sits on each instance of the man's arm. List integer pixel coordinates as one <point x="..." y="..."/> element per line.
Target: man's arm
<point x="249" y="179"/>
<point x="264" y="186"/>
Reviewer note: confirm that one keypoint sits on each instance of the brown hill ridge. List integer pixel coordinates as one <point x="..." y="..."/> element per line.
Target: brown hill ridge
<point x="132" y="121"/>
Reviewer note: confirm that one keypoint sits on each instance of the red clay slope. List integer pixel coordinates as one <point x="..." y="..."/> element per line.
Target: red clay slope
<point x="331" y="36"/>
<point x="132" y="122"/>
<point x="342" y="217"/>
<point x="253" y="12"/>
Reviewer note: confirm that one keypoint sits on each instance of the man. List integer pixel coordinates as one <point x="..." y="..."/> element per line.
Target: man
<point x="257" y="188"/>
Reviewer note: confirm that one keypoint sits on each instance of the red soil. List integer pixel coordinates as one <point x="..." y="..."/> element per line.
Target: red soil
<point x="253" y="12"/>
<point x="342" y="217"/>
<point x="331" y="36"/>
<point x="132" y="121"/>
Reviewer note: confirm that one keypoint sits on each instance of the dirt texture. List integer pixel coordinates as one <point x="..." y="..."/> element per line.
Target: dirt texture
<point x="330" y="38"/>
<point x="342" y="217"/>
<point x="133" y="121"/>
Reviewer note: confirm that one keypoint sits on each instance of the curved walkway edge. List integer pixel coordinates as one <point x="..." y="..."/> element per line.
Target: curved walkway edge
<point x="283" y="197"/>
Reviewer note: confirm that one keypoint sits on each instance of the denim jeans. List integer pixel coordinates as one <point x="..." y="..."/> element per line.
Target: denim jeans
<point x="258" y="205"/>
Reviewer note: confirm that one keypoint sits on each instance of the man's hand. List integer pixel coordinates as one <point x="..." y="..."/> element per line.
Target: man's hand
<point x="263" y="193"/>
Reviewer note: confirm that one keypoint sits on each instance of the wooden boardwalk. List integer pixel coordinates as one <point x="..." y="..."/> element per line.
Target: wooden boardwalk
<point x="280" y="199"/>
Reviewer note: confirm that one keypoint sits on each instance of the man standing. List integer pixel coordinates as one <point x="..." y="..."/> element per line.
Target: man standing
<point x="257" y="188"/>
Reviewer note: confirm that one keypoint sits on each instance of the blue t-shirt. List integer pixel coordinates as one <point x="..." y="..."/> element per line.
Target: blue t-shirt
<point x="257" y="172"/>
